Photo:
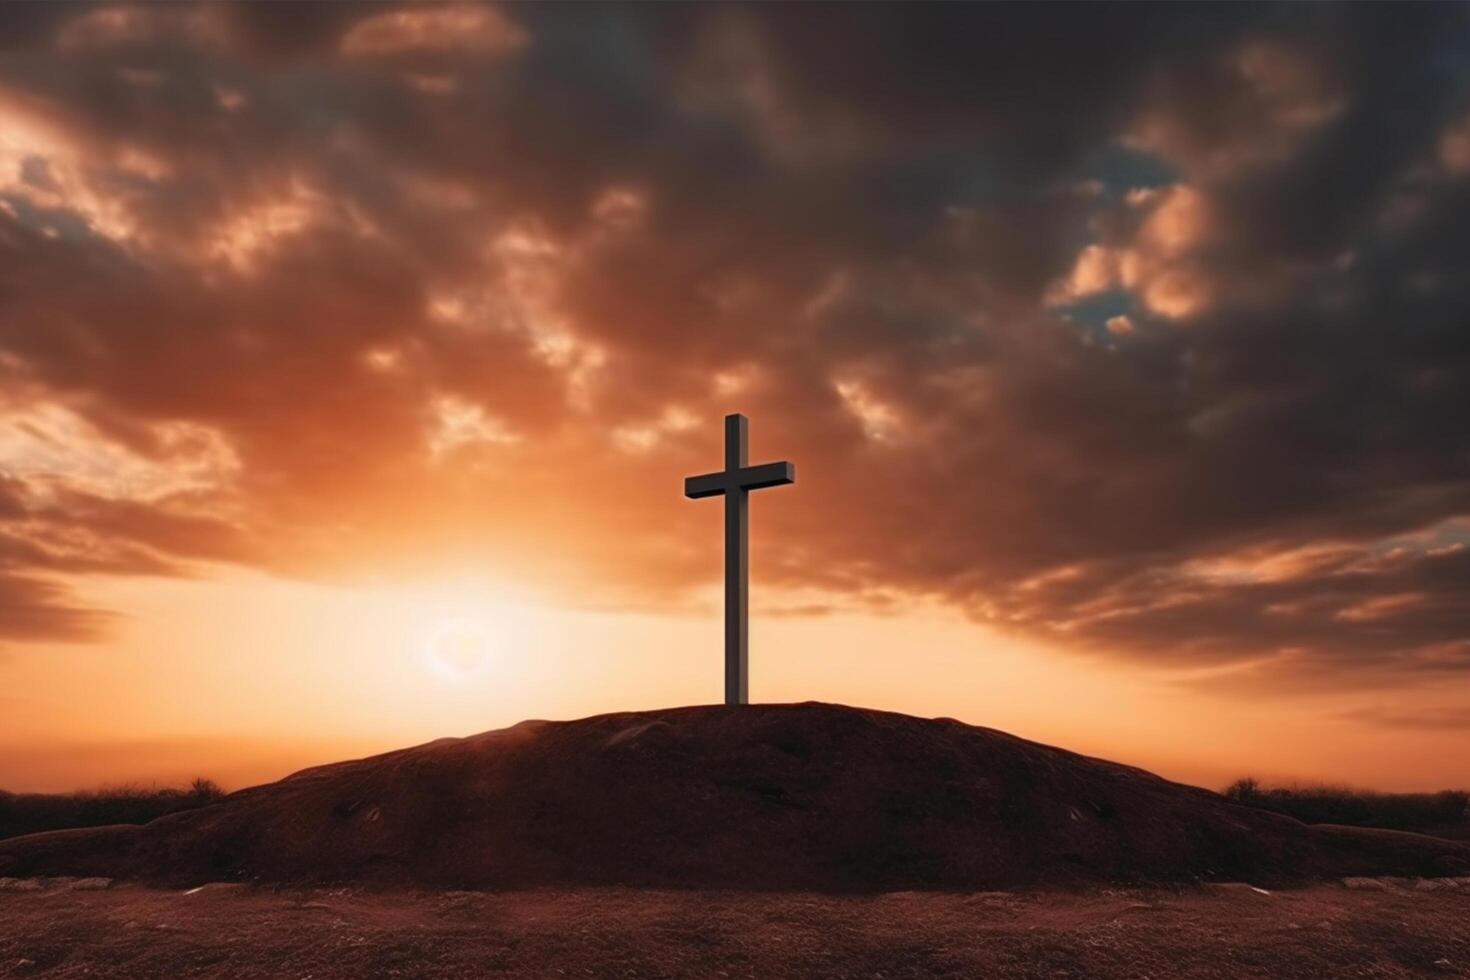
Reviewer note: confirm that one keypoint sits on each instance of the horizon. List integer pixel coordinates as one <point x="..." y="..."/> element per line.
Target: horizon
<point x="353" y="357"/>
<point x="174" y="764"/>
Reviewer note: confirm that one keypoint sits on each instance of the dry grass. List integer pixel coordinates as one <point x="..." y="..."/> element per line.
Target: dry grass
<point x="1443" y="814"/>
<point x="32" y="813"/>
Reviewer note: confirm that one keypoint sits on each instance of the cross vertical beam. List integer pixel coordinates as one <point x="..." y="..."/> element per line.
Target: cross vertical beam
<point x="736" y="481"/>
<point x="737" y="565"/>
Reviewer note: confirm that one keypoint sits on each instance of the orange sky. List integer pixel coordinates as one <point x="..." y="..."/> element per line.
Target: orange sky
<point x="352" y="356"/>
<point x="247" y="677"/>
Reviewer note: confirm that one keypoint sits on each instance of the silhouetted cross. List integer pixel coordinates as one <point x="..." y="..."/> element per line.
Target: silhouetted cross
<point x="735" y="482"/>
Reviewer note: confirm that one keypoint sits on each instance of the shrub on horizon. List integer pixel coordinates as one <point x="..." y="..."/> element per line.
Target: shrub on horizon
<point x="132" y="803"/>
<point x="1425" y="812"/>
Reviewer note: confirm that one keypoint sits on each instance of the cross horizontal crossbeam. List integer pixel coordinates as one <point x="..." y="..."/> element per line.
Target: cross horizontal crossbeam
<point x="745" y="478"/>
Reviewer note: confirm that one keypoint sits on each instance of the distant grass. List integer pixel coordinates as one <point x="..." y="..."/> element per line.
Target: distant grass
<point x="32" y="813"/>
<point x="1444" y="814"/>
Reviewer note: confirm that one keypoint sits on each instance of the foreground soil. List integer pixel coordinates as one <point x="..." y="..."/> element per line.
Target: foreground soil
<point x="1226" y="931"/>
<point x="807" y="797"/>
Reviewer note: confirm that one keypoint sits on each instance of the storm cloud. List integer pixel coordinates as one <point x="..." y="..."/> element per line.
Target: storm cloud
<point x="1141" y="330"/>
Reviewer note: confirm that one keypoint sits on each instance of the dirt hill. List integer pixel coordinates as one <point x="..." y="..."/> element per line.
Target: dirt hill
<point x="809" y="796"/>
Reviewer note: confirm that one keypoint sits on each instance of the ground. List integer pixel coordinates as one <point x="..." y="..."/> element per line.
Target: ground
<point x="1225" y="931"/>
<point x="800" y="840"/>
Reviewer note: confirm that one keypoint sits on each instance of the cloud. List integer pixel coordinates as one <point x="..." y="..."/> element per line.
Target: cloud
<point x="434" y="28"/>
<point x="1141" y="332"/>
<point x="1392" y="716"/>
<point x="32" y="609"/>
<point x="1160" y="261"/>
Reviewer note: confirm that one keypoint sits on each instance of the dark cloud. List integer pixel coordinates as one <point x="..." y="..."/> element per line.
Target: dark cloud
<point x="401" y="287"/>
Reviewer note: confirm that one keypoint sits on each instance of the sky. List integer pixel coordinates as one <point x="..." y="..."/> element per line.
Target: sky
<point x="352" y="358"/>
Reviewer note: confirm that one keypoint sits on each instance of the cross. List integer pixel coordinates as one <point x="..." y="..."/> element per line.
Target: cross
<point x="735" y="482"/>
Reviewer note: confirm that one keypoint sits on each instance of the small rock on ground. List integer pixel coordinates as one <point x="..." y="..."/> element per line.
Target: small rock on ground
<point x="215" y="886"/>
<point x="1367" y="884"/>
<point x="1235" y="886"/>
<point x="90" y="884"/>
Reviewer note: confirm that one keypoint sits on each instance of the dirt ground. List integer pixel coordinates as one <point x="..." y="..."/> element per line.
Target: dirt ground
<point x="1220" y="931"/>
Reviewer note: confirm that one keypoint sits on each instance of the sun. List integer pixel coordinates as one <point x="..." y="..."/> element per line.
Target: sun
<point x="459" y="649"/>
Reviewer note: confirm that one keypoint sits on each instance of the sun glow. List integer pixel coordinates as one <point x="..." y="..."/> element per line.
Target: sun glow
<point x="461" y="649"/>
<point x="467" y="633"/>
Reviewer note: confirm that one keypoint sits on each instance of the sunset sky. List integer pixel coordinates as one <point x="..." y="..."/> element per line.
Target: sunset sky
<point x="352" y="357"/>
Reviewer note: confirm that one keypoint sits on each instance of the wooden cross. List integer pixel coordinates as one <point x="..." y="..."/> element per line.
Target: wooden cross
<point x="735" y="482"/>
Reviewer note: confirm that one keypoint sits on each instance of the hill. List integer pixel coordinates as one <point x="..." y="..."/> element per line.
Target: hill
<point x="809" y="796"/>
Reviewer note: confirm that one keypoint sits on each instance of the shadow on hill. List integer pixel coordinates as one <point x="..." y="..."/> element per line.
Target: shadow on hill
<point x="809" y="796"/>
